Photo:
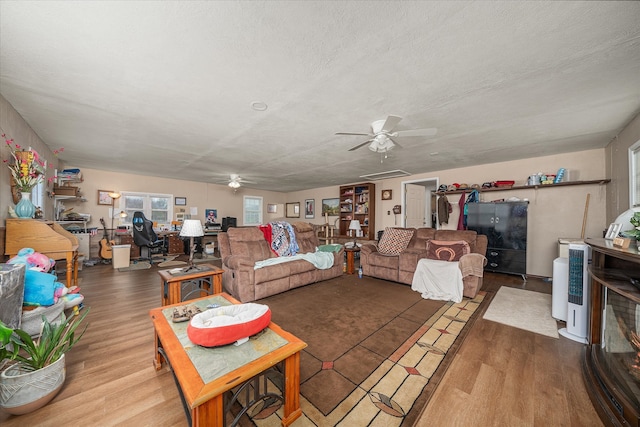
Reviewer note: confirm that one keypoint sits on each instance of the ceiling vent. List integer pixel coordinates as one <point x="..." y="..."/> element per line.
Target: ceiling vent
<point x="385" y="175"/>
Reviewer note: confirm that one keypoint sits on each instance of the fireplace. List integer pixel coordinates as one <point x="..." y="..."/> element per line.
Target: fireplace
<point x="612" y="359"/>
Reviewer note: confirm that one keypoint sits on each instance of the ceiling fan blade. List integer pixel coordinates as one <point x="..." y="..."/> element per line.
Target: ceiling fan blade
<point x="353" y="133"/>
<point x="417" y="132"/>
<point x="395" y="142"/>
<point x="390" y="123"/>
<point x="361" y="145"/>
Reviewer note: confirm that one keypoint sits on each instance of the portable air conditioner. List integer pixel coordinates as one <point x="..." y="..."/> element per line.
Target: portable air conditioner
<point x="578" y="294"/>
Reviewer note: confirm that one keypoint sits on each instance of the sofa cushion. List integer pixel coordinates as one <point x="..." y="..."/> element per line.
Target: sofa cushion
<point x="447" y="250"/>
<point x="469" y="236"/>
<point x="306" y="237"/>
<point x="249" y="242"/>
<point x="394" y="240"/>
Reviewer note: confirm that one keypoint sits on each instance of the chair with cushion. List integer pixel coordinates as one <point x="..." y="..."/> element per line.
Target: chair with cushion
<point x="145" y="237"/>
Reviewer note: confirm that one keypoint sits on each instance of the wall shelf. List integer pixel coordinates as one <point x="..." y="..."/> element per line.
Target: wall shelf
<point x="526" y="187"/>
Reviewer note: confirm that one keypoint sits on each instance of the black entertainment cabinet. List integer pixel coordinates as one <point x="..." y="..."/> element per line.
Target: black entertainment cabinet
<point x="505" y="225"/>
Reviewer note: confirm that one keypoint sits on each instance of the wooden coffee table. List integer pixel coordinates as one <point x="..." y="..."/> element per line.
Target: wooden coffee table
<point x="207" y="378"/>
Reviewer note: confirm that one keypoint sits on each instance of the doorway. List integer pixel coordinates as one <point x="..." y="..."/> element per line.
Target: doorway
<point x="418" y="203"/>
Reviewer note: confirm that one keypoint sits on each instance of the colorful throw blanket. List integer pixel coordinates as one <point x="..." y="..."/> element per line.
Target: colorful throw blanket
<point x="280" y="243"/>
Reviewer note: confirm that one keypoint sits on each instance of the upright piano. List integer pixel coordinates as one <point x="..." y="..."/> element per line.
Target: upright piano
<point x="46" y="237"/>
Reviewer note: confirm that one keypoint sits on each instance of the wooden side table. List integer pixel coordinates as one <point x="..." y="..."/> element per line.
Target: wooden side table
<point x="351" y="254"/>
<point x="178" y="286"/>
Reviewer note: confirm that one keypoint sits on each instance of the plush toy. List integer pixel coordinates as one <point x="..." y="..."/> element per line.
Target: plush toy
<point x="39" y="288"/>
<point x="33" y="260"/>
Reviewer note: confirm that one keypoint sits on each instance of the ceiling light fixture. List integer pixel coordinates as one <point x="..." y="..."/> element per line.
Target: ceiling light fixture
<point x="234" y="184"/>
<point x="381" y="144"/>
<point x="258" y="106"/>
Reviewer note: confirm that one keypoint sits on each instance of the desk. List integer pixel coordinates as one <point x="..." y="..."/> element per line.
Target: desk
<point x="46" y="237"/>
<point x="175" y="288"/>
<point x="206" y="377"/>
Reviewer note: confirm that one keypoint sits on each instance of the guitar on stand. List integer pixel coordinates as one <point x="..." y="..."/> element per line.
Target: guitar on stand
<point x="106" y="252"/>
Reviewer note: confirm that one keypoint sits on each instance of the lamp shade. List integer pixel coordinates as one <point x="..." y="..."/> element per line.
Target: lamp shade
<point x="191" y="228"/>
<point x="354" y="225"/>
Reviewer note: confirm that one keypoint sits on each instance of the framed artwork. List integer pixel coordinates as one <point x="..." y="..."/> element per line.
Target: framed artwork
<point x="293" y="210"/>
<point x="310" y="208"/>
<point x="211" y="216"/>
<point x="331" y="207"/>
<point x="272" y="208"/>
<point x="104" y="198"/>
<point x="613" y="231"/>
<point x="181" y="201"/>
<point x="387" y="194"/>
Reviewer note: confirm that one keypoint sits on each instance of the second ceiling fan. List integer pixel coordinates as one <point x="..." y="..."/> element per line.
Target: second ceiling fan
<point x="383" y="136"/>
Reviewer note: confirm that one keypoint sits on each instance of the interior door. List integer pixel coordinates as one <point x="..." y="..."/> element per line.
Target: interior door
<point x="415" y="206"/>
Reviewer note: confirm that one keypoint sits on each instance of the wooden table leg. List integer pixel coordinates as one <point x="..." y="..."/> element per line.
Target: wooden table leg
<point x="217" y="283"/>
<point x="209" y="414"/>
<point x="292" y="409"/>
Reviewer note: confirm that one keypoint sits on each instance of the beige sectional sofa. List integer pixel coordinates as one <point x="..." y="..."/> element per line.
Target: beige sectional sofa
<point x="240" y="248"/>
<point x="400" y="268"/>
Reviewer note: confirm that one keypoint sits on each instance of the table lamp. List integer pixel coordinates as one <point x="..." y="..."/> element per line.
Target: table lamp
<point x="191" y="228"/>
<point x="355" y="226"/>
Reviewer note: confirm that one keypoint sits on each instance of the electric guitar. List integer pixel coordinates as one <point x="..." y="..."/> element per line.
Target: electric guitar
<point x="106" y="251"/>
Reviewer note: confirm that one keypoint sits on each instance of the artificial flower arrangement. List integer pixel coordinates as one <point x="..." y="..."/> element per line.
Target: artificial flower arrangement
<point x="27" y="168"/>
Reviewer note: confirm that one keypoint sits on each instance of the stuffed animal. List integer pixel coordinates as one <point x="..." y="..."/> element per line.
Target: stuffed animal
<point x="33" y="260"/>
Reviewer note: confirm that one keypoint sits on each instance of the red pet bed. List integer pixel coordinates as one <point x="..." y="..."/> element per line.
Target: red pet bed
<point x="228" y="324"/>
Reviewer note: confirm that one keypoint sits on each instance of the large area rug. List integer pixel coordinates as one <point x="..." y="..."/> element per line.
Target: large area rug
<point x="523" y="309"/>
<point x="375" y="350"/>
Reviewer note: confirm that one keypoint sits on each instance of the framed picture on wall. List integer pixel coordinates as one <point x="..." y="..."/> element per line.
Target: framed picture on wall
<point x="310" y="208"/>
<point x="293" y="210"/>
<point x="181" y="201"/>
<point x="272" y="208"/>
<point x="104" y="198"/>
<point x="331" y="207"/>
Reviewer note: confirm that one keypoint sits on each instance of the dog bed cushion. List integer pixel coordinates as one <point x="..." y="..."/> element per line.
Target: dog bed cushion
<point x="227" y="324"/>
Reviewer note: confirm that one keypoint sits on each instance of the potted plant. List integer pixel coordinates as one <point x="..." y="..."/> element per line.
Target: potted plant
<point x="634" y="233"/>
<point x="38" y="370"/>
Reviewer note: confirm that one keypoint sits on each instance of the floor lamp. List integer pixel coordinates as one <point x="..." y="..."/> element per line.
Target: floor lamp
<point x="191" y="228"/>
<point x="113" y="196"/>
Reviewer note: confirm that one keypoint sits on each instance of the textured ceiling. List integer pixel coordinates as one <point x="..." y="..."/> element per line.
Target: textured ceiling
<point x="165" y="88"/>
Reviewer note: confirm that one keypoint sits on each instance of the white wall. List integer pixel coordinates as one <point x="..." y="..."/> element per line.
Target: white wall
<point x="617" y="164"/>
<point x="553" y="212"/>
<point x="14" y="127"/>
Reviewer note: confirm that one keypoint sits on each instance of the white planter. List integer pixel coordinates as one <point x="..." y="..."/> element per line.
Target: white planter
<point x="23" y="391"/>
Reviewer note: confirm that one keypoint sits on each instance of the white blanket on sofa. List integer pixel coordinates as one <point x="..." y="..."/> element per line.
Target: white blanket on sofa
<point x="320" y="260"/>
<point x="438" y="280"/>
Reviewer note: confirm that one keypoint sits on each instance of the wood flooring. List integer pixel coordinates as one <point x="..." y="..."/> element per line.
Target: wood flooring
<point x="501" y="376"/>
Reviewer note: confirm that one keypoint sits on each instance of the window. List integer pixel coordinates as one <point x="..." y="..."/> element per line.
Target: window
<point x="252" y="210"/>
<point x="156" y="207"/>
<point x="634" y="175"/>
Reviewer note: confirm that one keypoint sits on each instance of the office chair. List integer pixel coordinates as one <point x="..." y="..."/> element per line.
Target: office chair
<point x="145" y="237"/>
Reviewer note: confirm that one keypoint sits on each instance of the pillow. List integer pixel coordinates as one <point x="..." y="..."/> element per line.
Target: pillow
<point x="447" y="250"/>
<point x="394" y="241"/>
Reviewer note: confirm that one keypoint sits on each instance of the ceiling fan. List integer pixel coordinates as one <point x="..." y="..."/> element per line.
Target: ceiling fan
<point x="383" y="136"/>
<point x="235" y="181"/>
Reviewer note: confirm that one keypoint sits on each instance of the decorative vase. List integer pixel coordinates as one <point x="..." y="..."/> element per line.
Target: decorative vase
<point x="23" y="391"/>
<point x="24" y="208"/>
